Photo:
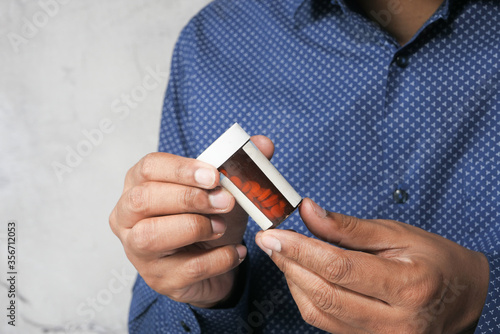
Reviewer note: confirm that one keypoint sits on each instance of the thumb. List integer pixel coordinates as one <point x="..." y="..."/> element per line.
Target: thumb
<point x="348" y="231"/>
<point x="264" y="144"/>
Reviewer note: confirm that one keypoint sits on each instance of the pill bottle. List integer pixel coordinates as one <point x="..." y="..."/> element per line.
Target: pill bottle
<point x="251" y="178"/>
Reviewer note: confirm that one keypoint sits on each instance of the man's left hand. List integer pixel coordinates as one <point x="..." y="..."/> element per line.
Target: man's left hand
<point x="388" y="277"/>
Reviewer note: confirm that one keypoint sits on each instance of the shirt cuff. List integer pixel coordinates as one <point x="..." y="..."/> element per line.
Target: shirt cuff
<point x="151" y="312"/>
<point x="226" y="320"/>
<point x="489" y="322"/>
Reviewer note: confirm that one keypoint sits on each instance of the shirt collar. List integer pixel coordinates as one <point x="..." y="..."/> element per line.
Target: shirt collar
<point x="443" y="11"/>
<point x="294" y="5"/>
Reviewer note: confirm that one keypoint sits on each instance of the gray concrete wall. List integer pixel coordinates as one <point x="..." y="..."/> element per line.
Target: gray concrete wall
<point x="67" y="138"/>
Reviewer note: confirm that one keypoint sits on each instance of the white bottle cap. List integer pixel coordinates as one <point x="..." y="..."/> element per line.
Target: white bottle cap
<point x="225" y="146"/>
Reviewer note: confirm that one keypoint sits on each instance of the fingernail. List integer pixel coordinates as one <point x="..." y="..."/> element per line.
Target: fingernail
<point x="218" y="225"/>
<point x="319" y="211"/>
<point x="258" y="241"/>
<point x="219" y="199"/>
<point x="204" y="177"/>
<point x="242" y="252"/>
<point x="270" y="244"/>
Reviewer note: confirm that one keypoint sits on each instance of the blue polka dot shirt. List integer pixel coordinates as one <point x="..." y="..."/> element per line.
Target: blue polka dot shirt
<point x="362" y="125"/>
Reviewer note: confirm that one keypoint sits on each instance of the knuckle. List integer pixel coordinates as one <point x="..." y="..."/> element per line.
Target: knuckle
<point x="310" y="315"/>
<point x="295" y="250"/>
<point x="193" y="198"/>
<point x="230" y="257"/>
<point x="349" y="224"/>
<point x="194" y="226"/>
<point x="195" y="269"/>
<point x="324" y="298"/>
<point x="181" y="171"/>
<point x="147" y="166"/>
<point x="329" y="300"/>
<point x="424" y="290"/>
<point x="137" y="199"/>
<point x="142" y="237"/>
<point x="112" y="222"/>
<point x="339" y="269"/>
<point x="286" y="266"/>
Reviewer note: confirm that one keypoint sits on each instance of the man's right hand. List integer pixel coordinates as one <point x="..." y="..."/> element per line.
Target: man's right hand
<point x="180" y="230"/>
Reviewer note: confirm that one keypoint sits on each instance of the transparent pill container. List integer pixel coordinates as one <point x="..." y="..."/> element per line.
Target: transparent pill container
<point x="251" y="178"/>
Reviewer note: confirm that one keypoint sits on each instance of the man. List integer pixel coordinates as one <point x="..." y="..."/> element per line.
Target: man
<point x="384" y="110"/>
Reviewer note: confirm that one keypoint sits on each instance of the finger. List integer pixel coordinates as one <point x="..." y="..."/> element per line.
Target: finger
<point x="315" y="316"/>
<point x="160" y="236"/>
<point x="264" y="144"/>
<point x="174" y="273"/>
<point x="364" y="273"/>
<point x="351" y="232"/>
<point x="165" y="167"/>
<point x="349" y="307"/>
<point x="157" y="199"/>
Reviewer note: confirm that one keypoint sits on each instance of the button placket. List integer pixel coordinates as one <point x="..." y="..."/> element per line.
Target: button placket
<point x="402" y="61"/>
<point x="400" y="196"/>
<point x="185" y="327"/>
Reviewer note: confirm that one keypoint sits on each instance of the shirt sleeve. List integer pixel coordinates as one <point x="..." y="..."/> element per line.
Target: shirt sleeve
<point x="489" y="322"/>
<point x="174" y="121"/>
<point x="227" y="320"/>
<point x="151" y="312"/>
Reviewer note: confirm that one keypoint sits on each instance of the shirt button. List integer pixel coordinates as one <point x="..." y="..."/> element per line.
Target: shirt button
<point x="402" y="61"/>
<point x="400" y="196"/>
<point x="185" y="327"/>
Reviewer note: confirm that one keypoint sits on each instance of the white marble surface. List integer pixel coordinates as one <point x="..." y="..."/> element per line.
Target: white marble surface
<point x="63" y="70"/>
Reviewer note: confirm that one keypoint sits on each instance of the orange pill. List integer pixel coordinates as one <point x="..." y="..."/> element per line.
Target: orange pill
<point x="223" y="171"/>
<point x="268" y="214"/>
<point x="282" y="204"/>
<point x="269" y="202"/>
<point x="277" y="211"/>
<point x="236" y="180"/>
<point x="255" y="202"/>
<point x="246" y="187"/>
<point x="265" y="194"/>
<point x="257" y="193"/>
<point x="255" y="190"/>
